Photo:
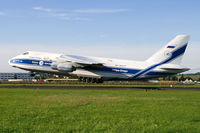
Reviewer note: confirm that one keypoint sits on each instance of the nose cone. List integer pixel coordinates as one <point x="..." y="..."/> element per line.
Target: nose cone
<point x="11" y="62"/>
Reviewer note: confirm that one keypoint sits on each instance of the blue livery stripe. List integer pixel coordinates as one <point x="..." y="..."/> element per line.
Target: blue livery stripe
<point x="113" y="69"/>
<point x="175" y="54"/>
<point x="32" y="62"/>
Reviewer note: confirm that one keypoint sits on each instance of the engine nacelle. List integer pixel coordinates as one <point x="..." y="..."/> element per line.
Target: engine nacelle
<point x="54" y="65"/>
<point x="66" y="67"/>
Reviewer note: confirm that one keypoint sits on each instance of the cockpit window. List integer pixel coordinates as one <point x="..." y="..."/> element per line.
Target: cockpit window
<point x="26" y="53"/>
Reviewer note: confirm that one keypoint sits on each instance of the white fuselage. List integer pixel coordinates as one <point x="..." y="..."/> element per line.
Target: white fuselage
<point x="164" y="62"/>
<point x="110" y="69"/>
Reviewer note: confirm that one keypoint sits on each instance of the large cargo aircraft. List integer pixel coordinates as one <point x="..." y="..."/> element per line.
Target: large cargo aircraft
<point x="95" y="69"/>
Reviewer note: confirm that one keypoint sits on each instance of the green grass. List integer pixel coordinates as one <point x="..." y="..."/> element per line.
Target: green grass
<point x="117" y="111"/>
<point x="103" y="85"/>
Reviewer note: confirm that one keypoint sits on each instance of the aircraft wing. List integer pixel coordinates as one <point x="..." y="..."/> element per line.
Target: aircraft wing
<point x="79" y="60"/>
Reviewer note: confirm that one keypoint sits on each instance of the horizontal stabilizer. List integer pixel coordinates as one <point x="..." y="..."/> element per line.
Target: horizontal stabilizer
<point x="176" y="69"/>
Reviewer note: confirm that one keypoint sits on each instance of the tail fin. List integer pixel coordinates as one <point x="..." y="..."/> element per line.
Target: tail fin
<point x="171" y="53"/>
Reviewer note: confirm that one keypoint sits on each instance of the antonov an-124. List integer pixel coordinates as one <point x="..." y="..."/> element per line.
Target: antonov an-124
<point x="95" y="69"/>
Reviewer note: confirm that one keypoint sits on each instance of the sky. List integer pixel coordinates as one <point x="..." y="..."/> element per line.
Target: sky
<point x="128" y="29"/>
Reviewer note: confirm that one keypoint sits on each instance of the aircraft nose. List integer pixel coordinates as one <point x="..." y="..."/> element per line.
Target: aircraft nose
<point x="11" y="61"/>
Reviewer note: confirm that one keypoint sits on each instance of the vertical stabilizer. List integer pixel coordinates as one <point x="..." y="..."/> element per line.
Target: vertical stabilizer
<point x="171" y="53"/>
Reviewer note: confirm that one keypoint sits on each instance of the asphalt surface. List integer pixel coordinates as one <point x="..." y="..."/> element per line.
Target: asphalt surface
<point x="101" y="87"/>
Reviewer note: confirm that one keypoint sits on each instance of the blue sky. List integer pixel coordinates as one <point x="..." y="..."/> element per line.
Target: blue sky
<point x="128" y="29"/>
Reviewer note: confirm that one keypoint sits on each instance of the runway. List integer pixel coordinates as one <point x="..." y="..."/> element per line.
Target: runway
<point x="102" y="87"/>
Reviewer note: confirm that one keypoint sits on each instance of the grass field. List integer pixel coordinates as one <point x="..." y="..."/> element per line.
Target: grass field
<point x="117" y="111"/>
<point x="103" y="85"/>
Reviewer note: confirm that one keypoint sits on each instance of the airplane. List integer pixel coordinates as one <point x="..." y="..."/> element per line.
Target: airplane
<point x="164" y="62"/>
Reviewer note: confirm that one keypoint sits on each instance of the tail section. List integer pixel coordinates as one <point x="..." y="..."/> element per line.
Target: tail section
<point x="171" y="53"/>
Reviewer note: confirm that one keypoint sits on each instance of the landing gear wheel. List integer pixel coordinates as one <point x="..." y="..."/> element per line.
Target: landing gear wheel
<point x="94" y="80"/>
<point x="80" y="79"/>
<point x="88" y="80"/>
<point x="84" y="79"/>
<point x="100" y="80"/>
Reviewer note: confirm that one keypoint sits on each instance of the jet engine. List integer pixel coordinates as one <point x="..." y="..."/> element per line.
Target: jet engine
<point x="54" y="65"/>
<point x="64" y="67"/>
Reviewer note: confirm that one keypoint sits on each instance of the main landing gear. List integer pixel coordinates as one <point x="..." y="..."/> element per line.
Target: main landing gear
<point x="90" y="80"/>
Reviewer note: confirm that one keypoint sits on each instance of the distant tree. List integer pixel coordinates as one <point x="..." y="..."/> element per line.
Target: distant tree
<point x="198" y="73"/>
<point x="15" y="76"/>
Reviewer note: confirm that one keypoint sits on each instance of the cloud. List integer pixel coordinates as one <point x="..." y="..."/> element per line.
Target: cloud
<point x="65" y="16"/>
<point x="61" y="15"/>
<point x="68" y="16"/>
<point x="99" y="10"/>
<point x="74" y="15"/>
<point x="39" y="8"/>
<point x="2" y="14"/>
